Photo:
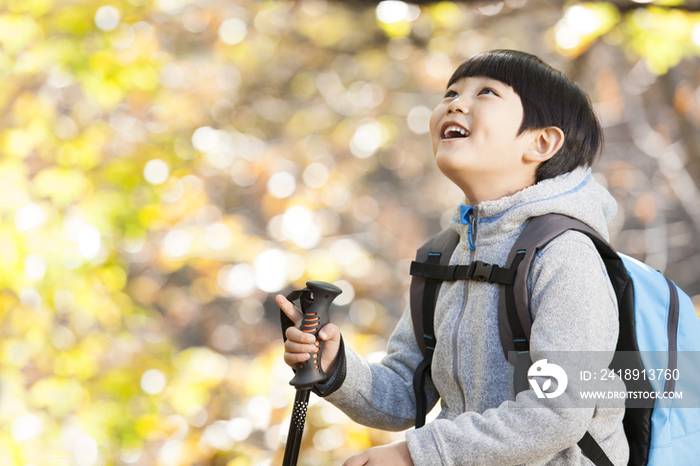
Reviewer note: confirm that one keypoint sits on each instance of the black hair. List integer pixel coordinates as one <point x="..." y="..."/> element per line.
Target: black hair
<point x="549" y="98"/>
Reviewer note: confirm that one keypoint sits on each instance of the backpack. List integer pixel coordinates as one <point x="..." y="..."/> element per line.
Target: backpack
<point x="654" y="315"/>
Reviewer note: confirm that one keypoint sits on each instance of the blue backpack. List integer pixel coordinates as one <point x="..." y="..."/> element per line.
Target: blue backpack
<point x="655" y="316"/>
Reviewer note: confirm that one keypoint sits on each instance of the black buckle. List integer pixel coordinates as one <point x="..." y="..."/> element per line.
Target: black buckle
<point x="481" y="271"/>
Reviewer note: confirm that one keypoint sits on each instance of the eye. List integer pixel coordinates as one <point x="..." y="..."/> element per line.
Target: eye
<point x="486" y="90"/>
<point x="450" y="93"/>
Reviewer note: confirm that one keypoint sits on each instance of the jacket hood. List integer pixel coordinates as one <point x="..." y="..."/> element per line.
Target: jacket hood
<point x="575" y="194"/>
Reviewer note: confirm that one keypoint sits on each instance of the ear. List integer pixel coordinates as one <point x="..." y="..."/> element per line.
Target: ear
<point x="545" y="143"/>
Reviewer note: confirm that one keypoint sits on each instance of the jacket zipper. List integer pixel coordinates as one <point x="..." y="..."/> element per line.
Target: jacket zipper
<point x="472" y="229"/>
<point x="455" y="335"/>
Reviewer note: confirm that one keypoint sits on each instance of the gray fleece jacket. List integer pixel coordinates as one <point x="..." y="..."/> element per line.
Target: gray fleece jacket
<point x="481" y="422"/>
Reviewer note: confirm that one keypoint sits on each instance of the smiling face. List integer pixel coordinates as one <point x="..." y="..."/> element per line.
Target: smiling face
<point x="474" y="132"/>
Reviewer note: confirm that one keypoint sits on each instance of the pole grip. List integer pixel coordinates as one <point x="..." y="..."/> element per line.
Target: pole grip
<point x="315" y="304"/>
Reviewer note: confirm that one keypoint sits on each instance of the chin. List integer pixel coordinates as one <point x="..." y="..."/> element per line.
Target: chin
<point x="454" y="170"/>
<point x="450" y="163"/>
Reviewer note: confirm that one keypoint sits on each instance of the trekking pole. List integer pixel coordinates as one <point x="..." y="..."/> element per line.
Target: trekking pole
<point x="315" y="301"/>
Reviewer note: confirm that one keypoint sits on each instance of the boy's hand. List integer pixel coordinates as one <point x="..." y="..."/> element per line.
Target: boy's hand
<point x="300" y="344"/>
<point x="396" y="454"/>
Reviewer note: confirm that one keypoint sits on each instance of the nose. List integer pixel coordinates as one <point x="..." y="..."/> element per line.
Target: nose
<point x="458" y="105"/>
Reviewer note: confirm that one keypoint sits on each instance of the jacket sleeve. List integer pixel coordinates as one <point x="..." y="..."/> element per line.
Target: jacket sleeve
<point x="575" y="310"/>
<point x="381" y="395"/>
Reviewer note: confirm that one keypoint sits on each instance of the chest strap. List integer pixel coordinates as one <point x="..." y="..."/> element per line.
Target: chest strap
<point x="477" y="271"/>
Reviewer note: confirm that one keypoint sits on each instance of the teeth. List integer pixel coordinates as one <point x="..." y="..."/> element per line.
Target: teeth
<point x="455" y="128"/>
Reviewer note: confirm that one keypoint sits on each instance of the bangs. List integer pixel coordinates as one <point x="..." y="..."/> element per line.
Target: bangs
<point x="499" y="65"/>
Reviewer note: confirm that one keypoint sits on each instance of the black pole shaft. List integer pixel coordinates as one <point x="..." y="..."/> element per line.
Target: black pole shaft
<point x="296" y="428"/>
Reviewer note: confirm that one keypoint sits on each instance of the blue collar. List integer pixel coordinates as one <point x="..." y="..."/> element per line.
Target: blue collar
<point x="465" y="212"/>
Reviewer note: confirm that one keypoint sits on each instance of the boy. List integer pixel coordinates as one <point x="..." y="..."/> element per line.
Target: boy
<point x="518" y="138"/>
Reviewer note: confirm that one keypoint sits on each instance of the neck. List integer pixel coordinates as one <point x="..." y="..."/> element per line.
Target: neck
<point x="490" y="190"/>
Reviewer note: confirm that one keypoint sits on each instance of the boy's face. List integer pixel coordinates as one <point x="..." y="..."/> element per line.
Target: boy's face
<point x="474" y="132"/>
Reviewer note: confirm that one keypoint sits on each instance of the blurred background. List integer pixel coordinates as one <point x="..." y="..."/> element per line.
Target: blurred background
<point x="168" y="166"/>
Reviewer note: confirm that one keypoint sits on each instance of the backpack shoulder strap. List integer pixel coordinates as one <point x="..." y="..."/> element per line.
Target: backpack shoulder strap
<point x="437" y="250"/>
<point x="424" y="291"/>
<point x="537" y="234"/>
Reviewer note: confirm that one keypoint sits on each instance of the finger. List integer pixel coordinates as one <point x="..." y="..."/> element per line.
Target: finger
<point x="294" y="359"/>
<point x="289" y="309"/>
<point x="330" y="335"/>
<point x="293" y="347"/>
<point x="357" y="460"/>
<point x="297" y="336"/>
<point x="329" y="332"/>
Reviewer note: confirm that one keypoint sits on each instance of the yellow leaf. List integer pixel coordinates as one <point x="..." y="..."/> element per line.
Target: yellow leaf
<point x="446" y="14"/>
<point x="397" y="29"/>
<point x="60" y="396"/>
<point x="186" y="395"/>
<point x="78" y="153"/>
<point x="33" y="7"/>
<point x="17" y="32"/>
<point x="74" y="20"/>
<point x="63" y="186"/>
<point x="18" y="142"/>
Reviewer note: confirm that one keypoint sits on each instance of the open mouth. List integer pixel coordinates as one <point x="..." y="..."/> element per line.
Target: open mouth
<point x="454" y="132"/>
